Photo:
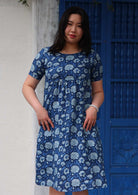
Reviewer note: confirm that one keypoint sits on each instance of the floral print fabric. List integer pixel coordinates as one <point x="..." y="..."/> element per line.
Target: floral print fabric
<point x="68" y="157"/>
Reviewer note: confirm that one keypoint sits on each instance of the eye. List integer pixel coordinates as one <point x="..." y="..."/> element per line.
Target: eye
<point x="69" y="23"/>
<point x="80" y="26"/>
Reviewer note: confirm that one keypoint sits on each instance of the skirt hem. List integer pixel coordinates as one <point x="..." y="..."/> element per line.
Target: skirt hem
<point x="75" y="190"/>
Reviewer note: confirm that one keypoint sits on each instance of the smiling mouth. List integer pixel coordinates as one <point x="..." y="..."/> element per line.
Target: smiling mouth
<point x="72" y="36"/>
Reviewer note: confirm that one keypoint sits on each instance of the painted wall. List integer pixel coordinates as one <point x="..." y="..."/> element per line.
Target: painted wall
<point x="45" y="23"/>
<point x="23" y="32"/>
<point x="16" y="132"/>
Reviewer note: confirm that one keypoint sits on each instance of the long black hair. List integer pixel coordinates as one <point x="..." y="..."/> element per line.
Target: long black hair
<point x="84" y="43"/>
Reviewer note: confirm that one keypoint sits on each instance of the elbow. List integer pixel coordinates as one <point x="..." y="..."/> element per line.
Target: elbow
<point x="23" y="89"/>
<point x="102" y="96"/>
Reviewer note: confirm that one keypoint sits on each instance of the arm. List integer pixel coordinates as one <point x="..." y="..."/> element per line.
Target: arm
<point x="97" y="100"/>
<point x="97" y="93"/>
<point x="28" y="91"/>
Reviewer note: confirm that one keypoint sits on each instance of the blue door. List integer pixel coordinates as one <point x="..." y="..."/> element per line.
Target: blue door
<point x="114" y="30"/>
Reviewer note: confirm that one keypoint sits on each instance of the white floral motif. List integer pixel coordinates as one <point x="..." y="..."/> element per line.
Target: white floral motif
<point x="63" y="177"/>
<point x="55" y="157"/>
<point x="75" y="182"/>
<point x="39" y="164"/>
<point x="42" y="171"/>
<point x="67" y="90"/>
<point x="73" y="129"/>
<point x="78" y="120"/>
<point x="74" y="142"/>
<point x="60" y="59"/>
<point x="76" y="60"/>
<point x="70" y="57"/>
<point x="61" y="135"/>
<point x="49" y="182"/>
<point x="96" y="169"/>
<point x="43" y="183"/>
<point x="56" y="64"/>
<point x="48" y="145"/>
<point x="37" y="56"/>
<point x="78" y="94"/>
<point x="102" y="173"/>
<point x="76" y="70"/>
<point x="90" y="143"/>
<point x="45" y="60"/>
<point x="55" y="171"/>
<point x="32" y="68"/>
<point x="54" y="76"/>
<point x="66" y="157"/>
<point x="79" y="133"/>
<point x="89" y="176"/>
<point x="74" y="155"/>
<point x="85" y="70"/>
<point x="56" y="117"/>
<point x="59" y="161"/>
<point x="82" y="173"/>
<point x="66" y="171"/>
<point x="56" y="91"/>
<point x="75" y="169"/>
<point x="60" y="121"/>
<point x="81" y="160"/>
<point x="60" y="69"/>
<point x="49" y="170"/>
<point x="69" y="78"/>
<point x="93" y="156"/>
<point x="73" y="102"/>
<point x="66" y="143"/>
<point x="47" y="133"/>
<point x="69" y="67"/>
<point x="98" y="182"/>
<point x="56" y="144"/>
<point x="73" y="89"/>
<point x="41" y="147"/>
<point x="78" y="108"/>
<point x="49" y="158"/>
<point x="73" y="115"/>
<point x="67" y="184"/>
<point x="81" y="147"/>
<point x="87" y="95"/>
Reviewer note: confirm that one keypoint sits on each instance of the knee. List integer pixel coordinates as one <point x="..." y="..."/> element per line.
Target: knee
<point x="84" y="192"/>
<point x="52" y="191"/>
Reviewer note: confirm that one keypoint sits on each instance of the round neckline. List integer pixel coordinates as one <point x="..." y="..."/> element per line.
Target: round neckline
<point x="70" y="53"/>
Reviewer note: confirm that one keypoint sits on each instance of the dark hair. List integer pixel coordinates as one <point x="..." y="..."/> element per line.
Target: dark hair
<point x="84" y="43"/>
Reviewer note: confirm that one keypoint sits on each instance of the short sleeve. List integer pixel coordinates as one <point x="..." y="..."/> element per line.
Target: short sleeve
<point x="37" y="68"/>
<point x="97" y="67"/>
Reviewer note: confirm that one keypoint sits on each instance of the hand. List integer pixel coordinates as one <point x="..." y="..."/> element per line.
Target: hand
<point x="43" y="118"/>
<point x="90" y="120"/>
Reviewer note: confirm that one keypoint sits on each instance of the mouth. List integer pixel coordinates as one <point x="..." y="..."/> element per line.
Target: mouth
<point x="72" y="36"/>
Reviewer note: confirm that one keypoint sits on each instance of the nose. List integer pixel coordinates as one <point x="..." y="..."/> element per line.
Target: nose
<point x="73" y="29"/>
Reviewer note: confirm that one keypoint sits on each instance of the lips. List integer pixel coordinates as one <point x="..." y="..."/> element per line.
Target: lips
<point x="72" y="36"/>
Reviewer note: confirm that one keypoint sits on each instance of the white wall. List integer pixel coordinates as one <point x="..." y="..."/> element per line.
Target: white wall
<point x="45" y="24"/>
<point x="16" y="132"/>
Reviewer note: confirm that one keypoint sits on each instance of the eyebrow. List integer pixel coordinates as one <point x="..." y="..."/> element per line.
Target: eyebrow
<point x="72" y="22"/>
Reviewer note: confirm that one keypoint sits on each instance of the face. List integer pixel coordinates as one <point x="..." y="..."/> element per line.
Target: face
<point x="73" y="31"/>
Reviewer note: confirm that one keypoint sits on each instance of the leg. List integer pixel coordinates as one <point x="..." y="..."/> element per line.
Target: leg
<point x="85" y="192"/>
<point x="52" y="191"/>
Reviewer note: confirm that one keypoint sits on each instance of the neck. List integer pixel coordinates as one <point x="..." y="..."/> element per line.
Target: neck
<point x="69" y="48"/>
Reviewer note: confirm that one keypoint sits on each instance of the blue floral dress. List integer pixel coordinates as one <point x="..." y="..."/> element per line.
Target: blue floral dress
<point x="68" y="157"/>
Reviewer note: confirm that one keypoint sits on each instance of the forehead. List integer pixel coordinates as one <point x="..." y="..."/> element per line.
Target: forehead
<point x="75" y="18"/>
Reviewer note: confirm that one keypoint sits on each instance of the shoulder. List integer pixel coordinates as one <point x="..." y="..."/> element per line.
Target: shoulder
<point x="94" y="56"/>
<point x="44" y="53"/>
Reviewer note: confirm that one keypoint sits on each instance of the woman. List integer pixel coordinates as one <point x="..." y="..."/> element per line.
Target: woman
<point x="69" y="150"/>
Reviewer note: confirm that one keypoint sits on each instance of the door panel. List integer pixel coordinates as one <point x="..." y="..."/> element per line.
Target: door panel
<point x="114" y="31"/>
